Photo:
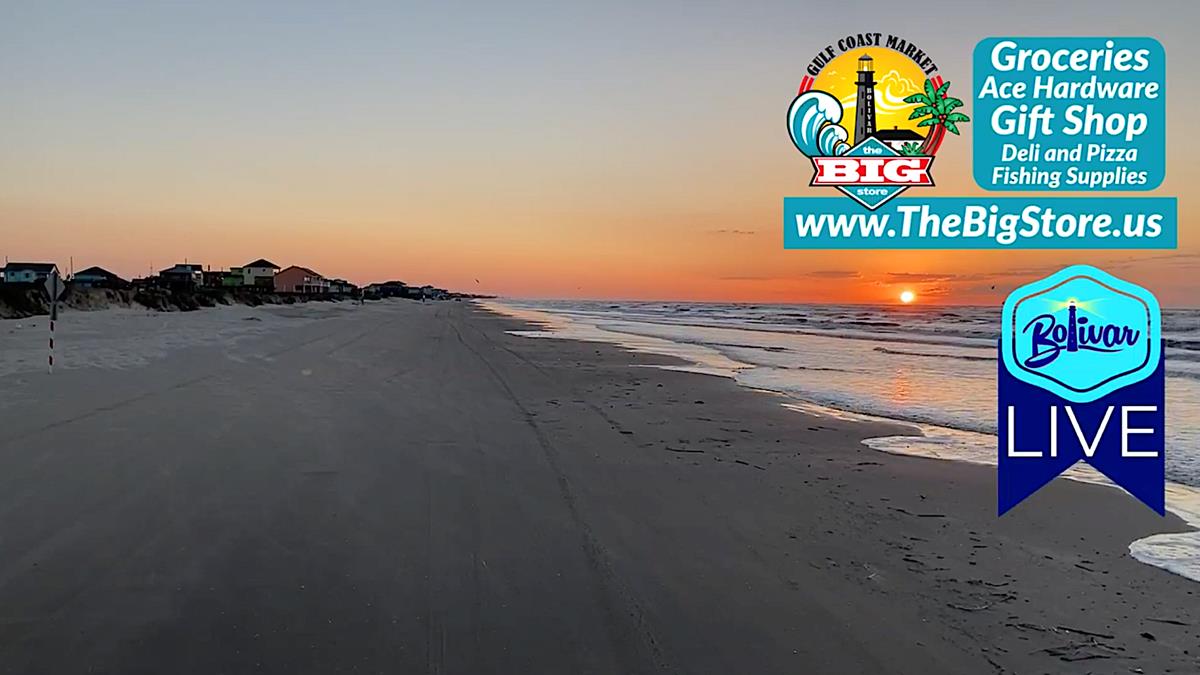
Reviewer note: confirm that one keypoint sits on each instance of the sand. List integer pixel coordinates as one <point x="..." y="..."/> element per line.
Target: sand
<point x="408" y="488"/>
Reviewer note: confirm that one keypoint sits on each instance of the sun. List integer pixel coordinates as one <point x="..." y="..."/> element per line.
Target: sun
<point x="907" y="297"/>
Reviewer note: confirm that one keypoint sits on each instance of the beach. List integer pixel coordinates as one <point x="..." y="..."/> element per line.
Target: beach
<point x="933" y="368"/>
<point x="420" y="487"/>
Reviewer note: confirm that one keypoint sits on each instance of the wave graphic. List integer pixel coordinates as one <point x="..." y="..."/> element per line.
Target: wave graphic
<point x="813" y="123"/>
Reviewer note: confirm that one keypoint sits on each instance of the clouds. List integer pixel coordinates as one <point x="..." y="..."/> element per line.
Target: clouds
<point x="1167" y="259"/>
<point x="834" y="274"/>
<point x="916" y="277"/>
<point x="799" y="276"/>
<point x="877" y="278"/>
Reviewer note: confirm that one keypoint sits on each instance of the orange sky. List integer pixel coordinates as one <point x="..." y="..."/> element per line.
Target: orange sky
<point x="568" y="152"/>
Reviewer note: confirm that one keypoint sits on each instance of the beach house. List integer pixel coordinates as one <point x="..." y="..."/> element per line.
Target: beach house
<point x="24" y="272"/>
<point x="222" y="278"/>
<point x="297" y="279"/>
<point x="97" y="277"/>
<point x="183" y="274"/>
<point x="387" y="289"/>
<point x="260" y="273"/>
<point x="342" y="286"/>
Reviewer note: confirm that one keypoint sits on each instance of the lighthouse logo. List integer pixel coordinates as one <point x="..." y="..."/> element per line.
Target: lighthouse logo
<point x="872" y="117"/>
<point x="1081" y="378"/>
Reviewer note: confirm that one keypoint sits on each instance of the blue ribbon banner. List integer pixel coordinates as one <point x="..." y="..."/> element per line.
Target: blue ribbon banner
<point x="1042" y="435"/>
<point x="1081" y="378"/>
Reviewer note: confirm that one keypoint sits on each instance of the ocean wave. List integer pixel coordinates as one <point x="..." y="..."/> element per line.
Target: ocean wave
<point x="947" y="394"/>
<point x="1182" y="325"/>
<point x="1189" y="345"/>
<point x="964" y="357"/>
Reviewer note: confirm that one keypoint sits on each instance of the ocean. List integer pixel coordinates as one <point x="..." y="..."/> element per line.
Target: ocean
<point x="932" y="367"/>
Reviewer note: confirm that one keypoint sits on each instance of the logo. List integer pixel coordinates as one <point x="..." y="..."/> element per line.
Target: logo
<point x="1081" y="333"/>
<point x="871" y="114"/>
<point x="1081" y="378"/>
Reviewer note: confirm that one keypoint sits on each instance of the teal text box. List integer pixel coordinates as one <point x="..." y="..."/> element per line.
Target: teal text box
<point x="982" y="223"/>
<point x="1051" y="113"/>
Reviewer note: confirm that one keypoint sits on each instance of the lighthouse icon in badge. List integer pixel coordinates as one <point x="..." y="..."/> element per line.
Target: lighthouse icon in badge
<point x="1072" y="326"/>
<point x="1081" y="333"/>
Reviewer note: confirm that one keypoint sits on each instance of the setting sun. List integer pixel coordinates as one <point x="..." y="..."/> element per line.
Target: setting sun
<point x="907" y="297"/>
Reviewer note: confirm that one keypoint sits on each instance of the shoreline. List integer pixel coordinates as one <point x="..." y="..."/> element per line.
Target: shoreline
<point x="1057" y="567"/>
<point x="1176" y="552"/>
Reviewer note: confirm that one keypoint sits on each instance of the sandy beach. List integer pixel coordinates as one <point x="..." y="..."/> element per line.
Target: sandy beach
<point x="405" y="487"/>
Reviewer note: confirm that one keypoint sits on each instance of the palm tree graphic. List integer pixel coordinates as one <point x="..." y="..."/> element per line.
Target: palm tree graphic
<point x="938" y="108"/>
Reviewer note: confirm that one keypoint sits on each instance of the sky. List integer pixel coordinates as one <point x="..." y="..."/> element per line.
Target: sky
<point x="534" y="149"/>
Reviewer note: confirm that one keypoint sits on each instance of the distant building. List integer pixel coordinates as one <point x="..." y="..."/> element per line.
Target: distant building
<point x="97" y="277"/>
<point x="18" y="272"/>
<point x="260" y="273"/>
<point x="183" y="274"/>
<point x="895" y="138"/>
<point x="388" y="289"/>
<point x="434" y="293"/>
<point x="297" y="279"/>
<point x="222" y="279"/>
<point x="342" y="286"/>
